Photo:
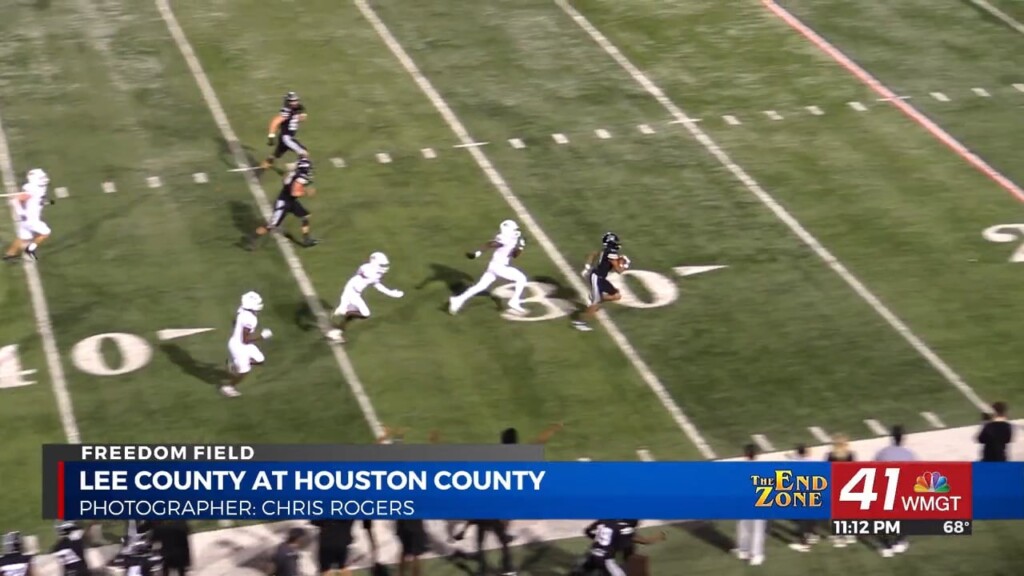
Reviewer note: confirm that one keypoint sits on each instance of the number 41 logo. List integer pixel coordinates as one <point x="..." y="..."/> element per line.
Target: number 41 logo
<point x="867" y="496"/>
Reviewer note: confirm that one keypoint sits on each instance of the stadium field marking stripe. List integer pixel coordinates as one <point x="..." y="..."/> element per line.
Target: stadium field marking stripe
<point x="685" y="120"/>
<point x="729" y="119"/>
<point x="882" y="90"/>
<point x="857" y="106"/>
<point x="109" y="187"/>
<point x="569" y="272"/>
<point x="781" y="213"/>
<point x="645" y="129"/>
<point x="153" y="182"/>
<point x="175" y="333"/>
<point x="602" y="134"/>
<point x="762" y="442"/>
<point x="61" y="192"/>
<point x="981" y="92"/>
<point x="338" y="162"/>
<point x="772" y="114"/>
<point x="516" y="143"/>
<point x="383" y="158"/>
<point x="44" y="323"/>
<point x="1006" y="18"/>
<point x="644" y="455"/>
<point x="933" y="419"/>
<point x="815" y="110"/>
<point x="1019" y="87"/>
<point x="875" y="426"/>
<point x="560" y="138"/>
<point x="200" y="178"/>
<point x="471" y="144"/>
<point x="429" y="153"/>
<point x="819" y="434"/>
<point x="294" y="264"/>
<point x="940" y="96"/>
<point x="583" y="459"/>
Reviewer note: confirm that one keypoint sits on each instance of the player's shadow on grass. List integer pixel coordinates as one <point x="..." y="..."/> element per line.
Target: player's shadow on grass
<point x="455" y="280"/>
<point x="212" y="374"/>
<point x="244" y="218"/>
<point x="707" y="532"/>
<point x="305" y="319"/>
<point x="561" y="292"/>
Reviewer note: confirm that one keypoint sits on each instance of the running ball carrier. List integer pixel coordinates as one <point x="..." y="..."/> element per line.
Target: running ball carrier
<point x="297" y="184"/>
<point x="599" y="264"/>
<point x="283" y="129"/>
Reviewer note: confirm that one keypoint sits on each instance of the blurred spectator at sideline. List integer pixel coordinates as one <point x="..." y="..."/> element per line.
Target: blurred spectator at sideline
<point x="14" y="560"/>
<point x="413" y="538"/>
<point x="806" y="528"/>
<point x="174" y="546"/>
<point x="895" y="452"/>
<point x="285" y="561"/>
<point x="996" y="434"/>
<point x="841" y="452"/>
<point x="750" y="533"/>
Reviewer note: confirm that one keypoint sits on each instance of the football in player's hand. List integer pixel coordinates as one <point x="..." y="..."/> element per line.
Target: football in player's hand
<point x="624" y="263"/>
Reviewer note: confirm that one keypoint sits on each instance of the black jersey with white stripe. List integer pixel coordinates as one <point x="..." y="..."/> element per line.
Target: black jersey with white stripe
<point x="17" y="564"/>
<point x="609" y="536"/>
<point x="291" y="118"/>
<point x="305" y="178"/>
<point x="70" y="552"/>
<point x="604" y="262"/>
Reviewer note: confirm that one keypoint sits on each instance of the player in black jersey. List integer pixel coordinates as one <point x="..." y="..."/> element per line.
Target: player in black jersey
<point x="609" y="539"/>
<point x="297" y="184"/>
<point x="141" y="560"/>
<point x="283" y="129"/>
<point x="599" y="264"/>
<point x="70" y="549"/>
<point x="14" y="561"/>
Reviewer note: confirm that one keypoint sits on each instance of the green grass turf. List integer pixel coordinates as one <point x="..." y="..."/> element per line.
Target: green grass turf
<point x="771" y="345"/>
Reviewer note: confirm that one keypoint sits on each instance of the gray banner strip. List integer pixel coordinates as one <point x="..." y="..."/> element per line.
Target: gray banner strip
<point x="53" y="453"/>
<point x="49" y="482"/>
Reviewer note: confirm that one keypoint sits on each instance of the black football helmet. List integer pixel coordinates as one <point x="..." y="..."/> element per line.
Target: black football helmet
<point x="611" y="240"/>
<point x="13" y="543"/>
<point x="304" y="167"/>
<point x="292" y="100"/>
<point x="65" y="527"/>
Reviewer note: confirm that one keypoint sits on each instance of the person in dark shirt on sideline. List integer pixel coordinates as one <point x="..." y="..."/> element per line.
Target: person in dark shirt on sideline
<point x="285" y="561"/>
<point x="174" y="546"/>
<point x="996" y="434"/>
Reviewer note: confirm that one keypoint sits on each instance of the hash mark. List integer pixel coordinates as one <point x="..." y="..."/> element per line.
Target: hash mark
<point x="685" y="120"/>
<point x="940" y="96"/>
<point x="109" y="187"/>
<point x="517" y="143"/>
<point x="153" y="181"/>
<point x="61" y="192"/>
<point x="645" y="129"/>
<point x="471" y="145"/>
<point x="876" y="427"/>
<point x="645" y="455"/>
<point x="602" y="134"/>
<point x="892" y="99"/>
<point x="858" y="106"/>
<point x="560" y="138"/>
<point x="819" y="434"/>
<point x="338" y="162"/>
<point x="773" y="114"/>
<point x="933" y="419"/>
<point x="731" y="120"/>
<point x="200" y="178"/>
<point x="429" y="153"/>
<point x="583" y="459"/>
<point x="815" y="110"/>
<point x="762" y="442"/>
<point x="981" y="92"/>
<point x="383" y="158"/>
<point x="1019" y="87"/>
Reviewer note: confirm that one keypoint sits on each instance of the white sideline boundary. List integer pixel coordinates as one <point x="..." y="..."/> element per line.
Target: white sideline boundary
<point x="997" y="13"/>
<point x="44" y="324"/>
<point x="777" y="209"/>
<point x="233" y="550"/>
<point x="499" y="183"/>
<point x="290" y="257"/>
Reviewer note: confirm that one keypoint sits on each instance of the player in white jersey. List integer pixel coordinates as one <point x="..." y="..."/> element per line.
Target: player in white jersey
<point x="242" y="350"/>
<point x="352" y="304"/>
<point x="508" y="244"/>
<point x="28" y="211"/>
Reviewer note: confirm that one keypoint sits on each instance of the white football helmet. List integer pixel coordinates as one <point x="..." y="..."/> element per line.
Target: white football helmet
<point x="509" y="227"/>
<point x="38" y="177"/>
<point x="380" y="260"/>
<point x="252" y="301"/>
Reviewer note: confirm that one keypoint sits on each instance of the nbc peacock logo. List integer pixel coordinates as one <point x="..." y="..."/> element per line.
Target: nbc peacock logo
<point x="932" y="483"/>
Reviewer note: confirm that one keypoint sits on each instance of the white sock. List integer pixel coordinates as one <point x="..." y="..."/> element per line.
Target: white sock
<point x="517" y="293"/>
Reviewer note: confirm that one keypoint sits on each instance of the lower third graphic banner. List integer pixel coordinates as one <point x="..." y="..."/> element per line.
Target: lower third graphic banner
<point x="460" y="490"/>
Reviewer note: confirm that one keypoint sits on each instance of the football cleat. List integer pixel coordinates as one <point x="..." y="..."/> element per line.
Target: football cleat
<point x="31" y="253"/>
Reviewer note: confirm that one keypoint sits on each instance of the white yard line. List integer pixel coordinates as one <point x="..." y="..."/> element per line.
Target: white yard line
<point x="815" y="110"/>
<point x="383" y="158"/>
<point x="644" y="455"/>
<point x="762" y="443"/>
<point x="109" y="187"/>
<point x="560" y="138"/>
<point x="781" y="213"/>
<point x="729" y="119"/>
<point x="516" y="143"/>
<point x="981" y="92"/>
<point x="602" y="134"/>
<point x="44" y="324"/>
<point x="858" y="106"/>
<point x="153" y="182"/>
<point x="200" y="178"/>
<point x="294" y="264"/>
<point x="940" y="96"/>
<point x="535" y="230"/>
<point x="876" y="427"/>
<point x="645" y="129"/>
<point x="819" y="434"/>
<point x="933" y="419"/>
<point x="1006" y="18"/>
<point x="428" y="153"/>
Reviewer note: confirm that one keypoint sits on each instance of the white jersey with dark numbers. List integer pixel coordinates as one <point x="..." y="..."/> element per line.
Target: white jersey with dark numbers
<point x="367" y="275"/>
<point x="507" y="244"/>
<point x="244" y="320"/>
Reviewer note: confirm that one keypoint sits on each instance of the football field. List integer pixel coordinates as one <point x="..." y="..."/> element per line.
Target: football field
<point x="821" y="200"/>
